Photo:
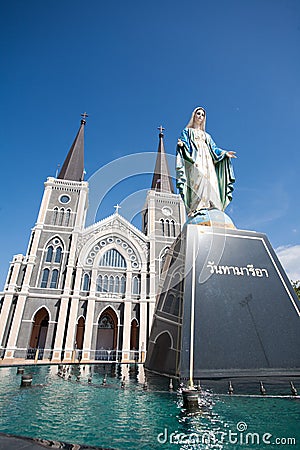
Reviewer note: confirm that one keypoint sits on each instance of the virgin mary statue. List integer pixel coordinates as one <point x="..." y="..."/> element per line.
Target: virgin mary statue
<point x="204" y="172"/>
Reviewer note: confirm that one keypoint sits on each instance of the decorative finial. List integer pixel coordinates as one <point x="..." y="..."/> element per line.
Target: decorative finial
<point x="84" y="116"/>
<point x="161" y="130"/>
<point x="117" y="206"/>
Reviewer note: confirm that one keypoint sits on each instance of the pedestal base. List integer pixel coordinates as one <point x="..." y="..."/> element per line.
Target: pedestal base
<point x="226" y="308"/>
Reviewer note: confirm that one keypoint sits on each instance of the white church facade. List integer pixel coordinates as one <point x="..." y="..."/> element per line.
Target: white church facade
<point x="88" y="293"/>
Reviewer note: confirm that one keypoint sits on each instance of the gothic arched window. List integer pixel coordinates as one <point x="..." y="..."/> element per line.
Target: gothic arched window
<point x="54" y="279"/>
<point x="105" y="283"/>
<point x="117" y="285"/>
<point x="58" y="255"/>
<point x="162" y="226"/>
<point x="99" y="286"/>
<point x="67" y="217"/>
<point x="111" y="284"/>
<point x="122" y="285"/>
<point x="49" y="254"/>
<point x="61" y="216"/>
<point x="55" y="215"/>
<point x="112" y="258"/>
<point x="173" y="228"/>
<point x="135" y="285"/>
<point x="45" y="277"/>
<point x="168" y="227"/>
<point x="86" y="282"/>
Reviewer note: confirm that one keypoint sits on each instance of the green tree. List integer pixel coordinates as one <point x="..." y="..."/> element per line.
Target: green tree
<point x="296" y="286"/>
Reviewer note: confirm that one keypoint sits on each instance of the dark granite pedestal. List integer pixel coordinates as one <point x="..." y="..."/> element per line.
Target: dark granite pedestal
<point x="225" y="308"/>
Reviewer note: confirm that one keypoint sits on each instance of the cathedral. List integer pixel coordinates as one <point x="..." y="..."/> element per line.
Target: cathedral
<point x="88" y="293"/>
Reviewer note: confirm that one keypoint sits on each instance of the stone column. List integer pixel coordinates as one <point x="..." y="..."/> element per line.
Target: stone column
<point x="9" y="295"/>
<point x="152" y="293"/>
<point x="152" y="241"/>
<point x="88" y="330"/>
<point x="71" y="264"/>
<point x="127" y="318"/>
<point x="143" y="330"/>
<point x="143" y="315"/>
<point x="151" y="313"/>
<point x="82" y="207"/>
<point x="14" y="331"/>
<point x="7" y="304"/>
<point x="143" y="283"/>
<point x="15" y="328"/>
<point x="60" y="331"/>
<point x="70" y="341"/>
<point x="17" y="262"/>
<point x="45" y="201"/>
<point x="126" y="331"/>
<point x="93" y="281"/>
<point x="28" y="273"/>
<point x="128" y="285"/>
<point x="49" y="340"/>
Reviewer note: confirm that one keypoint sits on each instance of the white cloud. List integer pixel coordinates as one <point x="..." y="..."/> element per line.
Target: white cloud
<point x="289" y="256"/>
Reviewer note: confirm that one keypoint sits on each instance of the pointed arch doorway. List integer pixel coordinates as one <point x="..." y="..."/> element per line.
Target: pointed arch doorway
<point x="39" y="331"/>
<point x="107" y="335"/>
<point x="134" y="340"/>
<point x="134" y="335"/>
<point x="80" y="333"/>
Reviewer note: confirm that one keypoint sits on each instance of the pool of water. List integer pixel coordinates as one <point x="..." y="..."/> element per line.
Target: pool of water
<point x="79" y="411"/>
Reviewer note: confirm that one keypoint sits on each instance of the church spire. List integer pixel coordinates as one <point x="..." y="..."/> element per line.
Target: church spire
<point x="73" y="167"/>
<point x="162" y="180"/>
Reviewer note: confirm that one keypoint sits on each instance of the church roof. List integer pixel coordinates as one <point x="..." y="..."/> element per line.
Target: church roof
<point x="162" y="180"/>
<point x="109" y="220"/>
<point x="73" y="167"/>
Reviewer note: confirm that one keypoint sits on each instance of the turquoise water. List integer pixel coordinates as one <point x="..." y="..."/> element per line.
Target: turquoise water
<point x="132" y="418"/>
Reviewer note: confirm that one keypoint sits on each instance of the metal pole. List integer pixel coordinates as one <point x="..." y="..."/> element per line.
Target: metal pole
<point x="191" y="382"/>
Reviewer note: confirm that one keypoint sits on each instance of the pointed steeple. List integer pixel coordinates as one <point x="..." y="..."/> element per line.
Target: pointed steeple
<point x="73" y="167"/>
<point x="162" y="180"/>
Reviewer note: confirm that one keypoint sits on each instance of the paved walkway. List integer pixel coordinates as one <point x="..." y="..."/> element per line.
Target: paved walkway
<point x="8" y="442"/>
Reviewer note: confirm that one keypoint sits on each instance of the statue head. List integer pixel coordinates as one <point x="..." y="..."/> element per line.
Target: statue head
<point x="197" y="119"/>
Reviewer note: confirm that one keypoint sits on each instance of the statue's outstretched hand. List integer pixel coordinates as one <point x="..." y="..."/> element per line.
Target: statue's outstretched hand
<point x="231" y="154"/>
<point x="180" y="143"/>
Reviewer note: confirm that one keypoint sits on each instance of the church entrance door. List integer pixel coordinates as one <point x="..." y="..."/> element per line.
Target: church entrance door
<point x="39" y="333"/>
<point x="107" y="336"/>
<point x="134" y="335"/>
<point x="80" y="333"/>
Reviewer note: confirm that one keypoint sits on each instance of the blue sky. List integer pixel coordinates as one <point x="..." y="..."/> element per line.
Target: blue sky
<point x="134" y="65"/>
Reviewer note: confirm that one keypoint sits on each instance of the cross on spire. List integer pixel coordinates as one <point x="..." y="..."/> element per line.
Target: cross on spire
<point x="161" y="129"/>
<point x="84" y="116"/>
<point x="117" y="207"/>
